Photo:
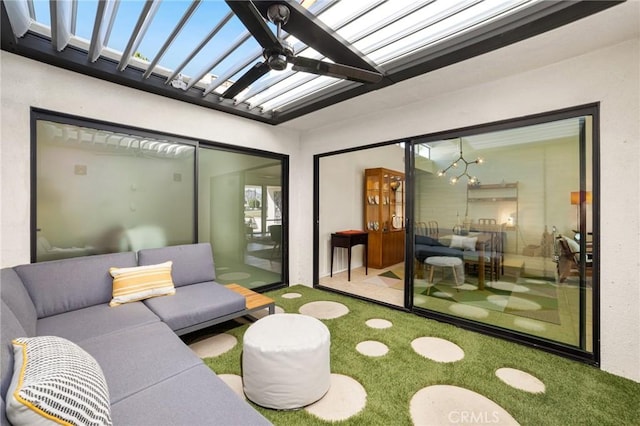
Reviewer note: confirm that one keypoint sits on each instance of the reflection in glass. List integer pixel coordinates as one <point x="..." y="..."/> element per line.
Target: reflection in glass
<point x="240" y="214"/>
<point x="100" y="191"/>
<point x="508" y="249"/>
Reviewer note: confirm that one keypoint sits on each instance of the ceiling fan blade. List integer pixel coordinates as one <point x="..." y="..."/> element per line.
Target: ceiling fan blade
<point x="307" y="28"/>
<point x="346" y="72"/>
<point x="251" y="18"/>
<point x="254" y="73"/>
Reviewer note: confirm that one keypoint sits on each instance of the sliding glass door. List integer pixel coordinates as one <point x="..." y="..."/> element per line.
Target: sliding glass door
<point x="241" y="214"/>
<point x="504" y="229"/>
<point x="102" y="188"/>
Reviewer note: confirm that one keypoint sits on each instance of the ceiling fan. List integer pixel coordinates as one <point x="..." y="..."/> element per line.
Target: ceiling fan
<point x="349" y="63"/>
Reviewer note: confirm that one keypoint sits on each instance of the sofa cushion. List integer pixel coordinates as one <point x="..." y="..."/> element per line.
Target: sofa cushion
<point x="55" y="380"/>
<point x="195" y="304"/>
<point x="427" y="241"/>
<point x="66" y="285"/>
<point x="135" y="358"/>
<point x="166" y="402"/>
<point x="141" y="282"/>
<point x="15" y="295"/>
<point x="192" y="263"/>
<point x="95" y="321"/>
<point x="422" y="252"/>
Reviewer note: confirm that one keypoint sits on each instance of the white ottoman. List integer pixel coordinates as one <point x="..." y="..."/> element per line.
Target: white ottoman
<point x="285" y="361"/>
<point x="446" y="262"/>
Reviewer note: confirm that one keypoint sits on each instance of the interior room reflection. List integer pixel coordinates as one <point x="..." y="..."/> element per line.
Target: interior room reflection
<point x="496" y="239"/>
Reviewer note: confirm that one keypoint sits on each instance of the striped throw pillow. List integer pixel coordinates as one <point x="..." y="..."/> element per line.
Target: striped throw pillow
<point x="56" y="382"/>
<point x="141" y="282"/>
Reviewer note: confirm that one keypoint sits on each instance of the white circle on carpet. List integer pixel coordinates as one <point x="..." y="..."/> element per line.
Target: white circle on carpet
<point x="234" y="382"/>
<point x="437" y="349"/>
<point x="345" y="398"/>
<point x="372" y="348"/>
<point x="234" y="276"/>
<point x="529" y="324"/>
<point x="532" y="281"/>
<point x="214" y="345"/>
<point x="466" y="287"/>
<point x="469" y="311"/>
<point x="222" y="268"/>
<point x="446" y="404"/>
<point x="378" y="323"/>
<point x="264" y="312"/>
<point x="514" y="302"/>
<point x="291" y="295"/>
<point x="442" y="294"/>
<point x="507" y="286"/>
<point x="324" y="309"/>
<point x="520" y="380"/>
<point x="419" y="299"/>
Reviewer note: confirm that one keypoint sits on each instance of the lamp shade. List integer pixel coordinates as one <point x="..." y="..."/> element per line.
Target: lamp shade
<point x="575" y="197"/>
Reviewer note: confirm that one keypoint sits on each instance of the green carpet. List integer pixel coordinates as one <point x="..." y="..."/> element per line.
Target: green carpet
<point x="576" y="394"/>
<point x="534" y="299"/>
<point x="233" y="272"/>
<point x="391" y="274"/>
<point x="268" y="254"/>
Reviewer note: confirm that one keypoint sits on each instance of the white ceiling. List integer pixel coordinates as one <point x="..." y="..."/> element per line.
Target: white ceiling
<point x="612" y="26"/>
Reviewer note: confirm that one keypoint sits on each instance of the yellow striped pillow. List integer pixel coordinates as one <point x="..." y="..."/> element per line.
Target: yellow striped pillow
<point x="141" y="282"/>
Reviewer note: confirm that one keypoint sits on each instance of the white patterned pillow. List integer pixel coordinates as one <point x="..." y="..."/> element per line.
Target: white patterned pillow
<point x="56" y="382"/>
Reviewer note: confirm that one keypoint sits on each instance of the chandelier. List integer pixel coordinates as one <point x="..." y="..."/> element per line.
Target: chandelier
<point x="465" y="172"/>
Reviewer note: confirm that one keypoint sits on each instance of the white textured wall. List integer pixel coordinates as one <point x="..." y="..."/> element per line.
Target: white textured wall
<point x="609" y="76"/>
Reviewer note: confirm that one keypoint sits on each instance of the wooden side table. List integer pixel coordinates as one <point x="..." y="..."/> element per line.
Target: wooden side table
<point x="348" y="239"/>
<point x="253" y="301"/>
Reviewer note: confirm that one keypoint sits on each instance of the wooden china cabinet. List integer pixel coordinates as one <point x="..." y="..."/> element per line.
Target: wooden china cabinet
<point x="384" y="219"/>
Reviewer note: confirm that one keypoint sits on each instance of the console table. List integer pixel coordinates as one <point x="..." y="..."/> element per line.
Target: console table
<point x="348" y="239"/>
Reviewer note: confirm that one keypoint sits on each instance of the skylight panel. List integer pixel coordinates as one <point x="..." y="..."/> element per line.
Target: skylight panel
<point x="335" y="14"/>
<point x="455" y="25"/>
<point x="379" y="18"/>
<point x="309" y="88"/>
<point x="279" y="87"/>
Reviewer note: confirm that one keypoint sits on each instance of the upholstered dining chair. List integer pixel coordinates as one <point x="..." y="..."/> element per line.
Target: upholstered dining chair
<point x="275" y="234"/>
<point x="569" y="259"/>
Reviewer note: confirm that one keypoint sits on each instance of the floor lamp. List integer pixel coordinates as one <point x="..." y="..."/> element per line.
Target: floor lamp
<point x="575" y="200"/>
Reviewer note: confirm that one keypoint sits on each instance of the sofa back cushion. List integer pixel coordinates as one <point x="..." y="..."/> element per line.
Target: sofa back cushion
<point x="15" y="295"/>
<point x="11" y="329"/>
<point x="192" y="263"/>
<point x="66" y="285"/>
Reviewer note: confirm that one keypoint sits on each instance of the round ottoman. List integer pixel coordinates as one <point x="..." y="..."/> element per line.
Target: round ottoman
<point x="285" y="361"/>
<point x="446" y="262"/>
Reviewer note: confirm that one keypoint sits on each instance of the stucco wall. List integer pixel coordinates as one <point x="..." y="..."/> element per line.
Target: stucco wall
<point x="609" y="76"/>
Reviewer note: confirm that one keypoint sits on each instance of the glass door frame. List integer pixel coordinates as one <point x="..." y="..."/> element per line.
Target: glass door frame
<point x="567" y="351"/>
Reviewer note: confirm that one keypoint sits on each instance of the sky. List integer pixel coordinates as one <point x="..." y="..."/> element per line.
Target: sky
<point x="206" y="16"/>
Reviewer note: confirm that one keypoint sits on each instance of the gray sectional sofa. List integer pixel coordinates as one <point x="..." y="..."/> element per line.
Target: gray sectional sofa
<point x="153" y="378"/>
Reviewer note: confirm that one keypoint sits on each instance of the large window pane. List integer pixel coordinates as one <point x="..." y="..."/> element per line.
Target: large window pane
<point x="507" y="240"/>
<point x="102" y="191"/>
<point x="240" y="213"/>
